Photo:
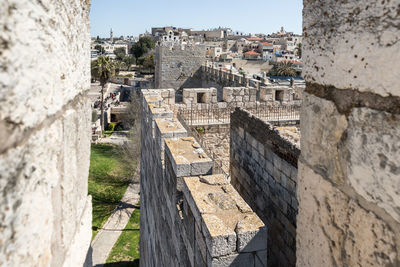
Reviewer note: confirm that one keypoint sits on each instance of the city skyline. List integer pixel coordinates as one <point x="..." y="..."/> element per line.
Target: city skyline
<point x="128" y="17"/>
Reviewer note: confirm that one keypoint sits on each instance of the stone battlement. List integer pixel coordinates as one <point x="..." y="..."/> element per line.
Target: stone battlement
<point x="189" y="217"/>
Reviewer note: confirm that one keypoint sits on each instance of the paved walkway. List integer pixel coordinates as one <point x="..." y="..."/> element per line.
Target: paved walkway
<point x="105" y="239"/>
<point x="116" y="138"/>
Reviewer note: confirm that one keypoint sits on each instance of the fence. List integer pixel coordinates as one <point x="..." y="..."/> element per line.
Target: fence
<point x="215" y="116"/>
<point x="218" y="167"/>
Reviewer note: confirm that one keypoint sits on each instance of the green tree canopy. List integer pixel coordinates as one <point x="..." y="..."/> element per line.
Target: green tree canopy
<point x="284" y="68"/>
<point x="120" y="53"/>
<point x="103" y="69"/>
<point x="118" y="66"/>
<point x="144" y="45"/>
<point x="99" y="48"/>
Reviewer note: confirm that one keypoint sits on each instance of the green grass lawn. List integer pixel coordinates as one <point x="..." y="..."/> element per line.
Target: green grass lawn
<point x="125" y="252"/>
<point x="108" y="180"/>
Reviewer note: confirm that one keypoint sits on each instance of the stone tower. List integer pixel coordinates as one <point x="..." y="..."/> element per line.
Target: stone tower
<point x="111" y="36"/>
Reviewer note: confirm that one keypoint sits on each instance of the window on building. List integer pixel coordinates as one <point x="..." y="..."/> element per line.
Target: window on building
<point x="279" y="95"/>
<point x="201" y="97"/>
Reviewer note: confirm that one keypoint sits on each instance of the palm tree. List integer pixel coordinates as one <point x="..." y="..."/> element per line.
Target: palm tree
<point x="285" y="69"/>
<point x="103" y="69"/>
<point x="118" y="66"/>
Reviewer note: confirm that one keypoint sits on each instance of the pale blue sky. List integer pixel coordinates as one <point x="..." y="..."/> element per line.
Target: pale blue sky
<point x="132" y="17"/>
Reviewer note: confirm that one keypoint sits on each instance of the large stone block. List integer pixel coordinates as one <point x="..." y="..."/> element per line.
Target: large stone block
<point x="371" y="157"/>
<point x="220" y="238"/>
<point x="347" y="44"/>
<point x="343" y="233"/>
<point x="45" y="61"/>
<point x="251" y="234"/>
<point x="322" y="128"/>
<point x="187" y="157"/>
<point x="29" y="182"/>
<point x="235" y="260"/>
<point x="74" y="186"/>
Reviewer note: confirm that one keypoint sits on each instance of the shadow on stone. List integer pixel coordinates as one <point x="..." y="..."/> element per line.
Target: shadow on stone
<point x="134" y="263"/>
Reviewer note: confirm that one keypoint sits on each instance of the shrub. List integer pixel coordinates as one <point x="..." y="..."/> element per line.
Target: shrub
<point x="200" y="130"/>
<point x="111" y="126"/>
<point x="119" y="127"/>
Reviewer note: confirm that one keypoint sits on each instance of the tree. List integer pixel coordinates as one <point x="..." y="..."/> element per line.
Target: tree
<point x="103" y="69"/>
<point x="284" y="68"/>
<point x="298" y="50"/>
<point x="120" y="53"/>
<point x="142" y="47"/>
<point x="147" y="42"/>
<point x="118" y="66"/>
<point x="128" y="60"/>
<point x="99" y="48"/>
<point x="148" y="62"/>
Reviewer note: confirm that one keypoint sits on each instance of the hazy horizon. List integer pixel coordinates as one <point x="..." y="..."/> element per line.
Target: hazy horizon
<point x="129" y="17"/>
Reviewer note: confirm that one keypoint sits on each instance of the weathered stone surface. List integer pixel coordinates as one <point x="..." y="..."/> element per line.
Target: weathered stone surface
<point x="342" y="232"/>
<point x="251" y="234"/>
<point x="79" y="244"/>
<point x="347" y="44"/>
<point x="235" y="260"/>
<point x="374" y="171"/>
<point x="170" y="128"/>
<point x="27" y="174"/>
<point x="220" y="239"/>
<point x="44" y="63"/>
<point x="179" y="65"/>
<point x="322" y="128"/>
<point x="187" y="157"/>
<point x="45" y="213"/>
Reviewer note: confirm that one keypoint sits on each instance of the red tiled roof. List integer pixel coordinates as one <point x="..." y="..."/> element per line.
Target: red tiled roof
<point x="252" y="53"/>
<point x="265" y="43"/>
<point x="254" y="39"/>
<point x="296" y="62"/>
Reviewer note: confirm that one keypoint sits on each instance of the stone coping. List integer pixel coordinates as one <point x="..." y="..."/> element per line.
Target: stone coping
<point x="160" y="109"/>
<point x="228" y="224"/>
<point x="169" y="127"/>
<point x="187" y="157"/>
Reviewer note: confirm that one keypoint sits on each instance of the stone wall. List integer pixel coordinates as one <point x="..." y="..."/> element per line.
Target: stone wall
<point x="199" y="95"/>
<point x="263" y="168"/>
<point x="179" y="66"/>
<point x="349" y="197"/>
<point x="44" y="133"/>
<point x="239" y="95"/>
<point x="189" y="217"/>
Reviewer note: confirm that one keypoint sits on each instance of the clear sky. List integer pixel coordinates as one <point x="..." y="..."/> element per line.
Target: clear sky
<point x="132" y="17"/>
